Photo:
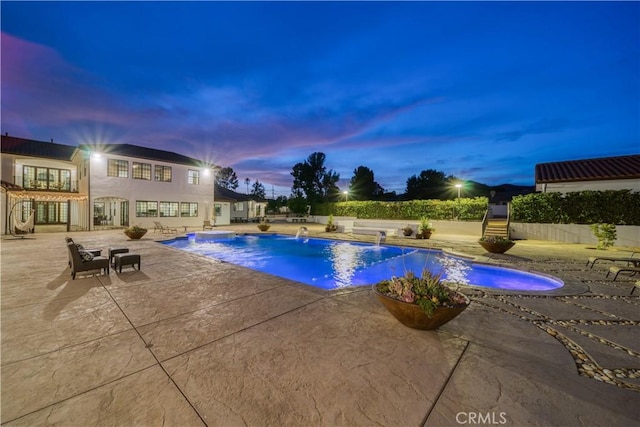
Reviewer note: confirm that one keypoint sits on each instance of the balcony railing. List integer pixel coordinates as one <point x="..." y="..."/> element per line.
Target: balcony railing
<point x="35" y="185"/>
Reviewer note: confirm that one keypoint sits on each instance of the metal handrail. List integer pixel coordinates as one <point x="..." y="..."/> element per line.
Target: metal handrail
<point x="485" y="221"/>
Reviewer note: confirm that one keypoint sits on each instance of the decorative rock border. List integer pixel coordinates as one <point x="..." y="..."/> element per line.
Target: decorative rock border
<point x="585" y="364"/>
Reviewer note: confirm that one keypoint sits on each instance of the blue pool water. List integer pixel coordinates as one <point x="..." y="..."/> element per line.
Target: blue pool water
<point x="331" y="264"/>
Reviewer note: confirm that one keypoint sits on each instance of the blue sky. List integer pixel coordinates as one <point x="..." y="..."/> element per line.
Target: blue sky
<point x="479" y="90"/>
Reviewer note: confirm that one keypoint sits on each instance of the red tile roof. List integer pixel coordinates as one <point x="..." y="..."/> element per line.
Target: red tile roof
<point x="604" y="168"/>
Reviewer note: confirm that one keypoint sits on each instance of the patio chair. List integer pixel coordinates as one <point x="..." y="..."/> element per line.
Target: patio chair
<point x="207" y="225"/>
<point x="80" y="263"/>
<point x="94" y="252"/>
<point x="617" y="270"/>
<point x="629" y="260"/>
<point x="163" y="229"/>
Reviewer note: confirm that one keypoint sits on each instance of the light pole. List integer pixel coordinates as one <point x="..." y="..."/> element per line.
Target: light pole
<point x="458" y="186"/>
<point x="213" y="200"/>
<point x="346" y="196"/>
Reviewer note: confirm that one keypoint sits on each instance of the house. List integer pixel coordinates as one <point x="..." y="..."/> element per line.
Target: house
<point x="40" y="176"/>
<point x="91" y="187"/>
<point x="242" y="207"/>
<point x="605" y="173"/>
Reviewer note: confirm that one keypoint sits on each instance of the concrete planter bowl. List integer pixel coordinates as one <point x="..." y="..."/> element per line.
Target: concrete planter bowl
<point x="264" y="227"/>
<point x="497" y="247"/>
<point x="413" y="316"/>
<point x="135" y="235"/>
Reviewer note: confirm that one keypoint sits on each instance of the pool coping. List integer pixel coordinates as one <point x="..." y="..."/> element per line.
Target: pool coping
<point x="569" y="287"/>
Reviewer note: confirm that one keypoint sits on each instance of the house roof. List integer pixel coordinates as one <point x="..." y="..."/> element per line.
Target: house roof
<point x="143" y="153"/>
<point x="50" y="150"/>
<point x="225" y="195"/>
<point x="604" y="168"/>
<point x="10" y="187"/>
<point x="32" y="148"/>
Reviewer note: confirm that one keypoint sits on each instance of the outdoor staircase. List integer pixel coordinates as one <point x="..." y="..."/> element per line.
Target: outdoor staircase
<point x="497" y="227"/>
<point x="496" y="221"/>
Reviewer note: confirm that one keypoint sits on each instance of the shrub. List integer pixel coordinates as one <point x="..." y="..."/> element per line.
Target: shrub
<point x="605" y="233"/>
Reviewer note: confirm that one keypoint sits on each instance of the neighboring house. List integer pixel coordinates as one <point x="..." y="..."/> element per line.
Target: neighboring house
<point x="101" y="186"/>
<point x="242" y="207"/>
<point x="606" y="173"/>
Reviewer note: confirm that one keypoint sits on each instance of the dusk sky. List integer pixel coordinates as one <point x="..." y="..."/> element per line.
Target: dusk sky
<point x="479" y="90"/>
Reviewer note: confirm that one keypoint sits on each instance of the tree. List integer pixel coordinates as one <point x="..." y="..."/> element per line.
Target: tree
<point x="227" y="178"/>
<point x="247" y="181"/>
<point x="430" y="184"/>
<point x="312" y="180"/>
<point x="257" y="190"/>
<point x="363" y="185"/>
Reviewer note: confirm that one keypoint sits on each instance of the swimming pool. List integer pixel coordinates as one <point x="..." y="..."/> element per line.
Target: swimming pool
<point x="333" y="264"/>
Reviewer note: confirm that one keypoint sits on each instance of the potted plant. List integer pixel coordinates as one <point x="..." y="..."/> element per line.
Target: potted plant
<point x="425" y="228"/>
<point x="264" y="225"/>
<point x="425" y="302"/>
<point x="330" y="225"/>
<point x="407" y="231"/>
<point x="135" y="232"/>
<point x="496" y="244"/>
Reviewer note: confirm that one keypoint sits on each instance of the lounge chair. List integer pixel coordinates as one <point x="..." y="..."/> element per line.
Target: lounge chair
<point x="207" y="225"/>
<point x="629" y="260"/>
<point x="163" y="229"/>
<point x="79" y="264"/>
<point x="617" y="270"/>
<point x="94" y="252"/>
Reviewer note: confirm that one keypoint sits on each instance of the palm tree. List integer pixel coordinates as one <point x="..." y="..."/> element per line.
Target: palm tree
<point x="247" y="181"/>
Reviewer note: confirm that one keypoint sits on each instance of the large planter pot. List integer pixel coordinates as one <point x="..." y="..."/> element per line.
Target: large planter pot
<point x="264" y="227"/>
<point x="497" y="247"/>
<point x="426" y="234"/>
<point x="413" y="316"/>
<point x="135" y="235"/>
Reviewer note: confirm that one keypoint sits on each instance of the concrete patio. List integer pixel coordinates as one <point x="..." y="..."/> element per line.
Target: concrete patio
<point x="192" y="341"/>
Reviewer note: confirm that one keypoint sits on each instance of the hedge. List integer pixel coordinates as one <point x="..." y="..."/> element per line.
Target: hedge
<point x="467" y="209"/>
<point x="585" y="207"/>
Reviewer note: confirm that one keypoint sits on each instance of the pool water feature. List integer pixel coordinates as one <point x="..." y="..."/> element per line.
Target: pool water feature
<point x="333" y="264"/>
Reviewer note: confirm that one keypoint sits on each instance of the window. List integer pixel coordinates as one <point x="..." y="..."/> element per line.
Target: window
<point x="193" y="177"/>
<point x="188" y="209"/>
<point x="163" y="173"/>
<point x="239" y="206"/>
<point x="168" y="208"/>
<point x="146" y="208"/>
<point x="118" y="168"/>
<point x="141" y="171"/>
<point x="39" y="178"/>
<point x="52" y="212"/>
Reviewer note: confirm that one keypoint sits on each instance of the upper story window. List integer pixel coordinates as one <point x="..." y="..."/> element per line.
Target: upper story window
<point x="118" y="168"/>
<point x="163" y="173"/>
<point x="193" y="177"/>
<point x="141" y="171"/>
<point x="41" y="178"/>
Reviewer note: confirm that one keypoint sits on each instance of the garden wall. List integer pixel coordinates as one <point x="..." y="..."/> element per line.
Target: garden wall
<point x="628" y="235"/>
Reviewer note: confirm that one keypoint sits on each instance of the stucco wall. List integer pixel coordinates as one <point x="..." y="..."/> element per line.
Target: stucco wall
<point x="611" y="184"/>
<point x="178" y="190"/>
<point x="628" y="235"/>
